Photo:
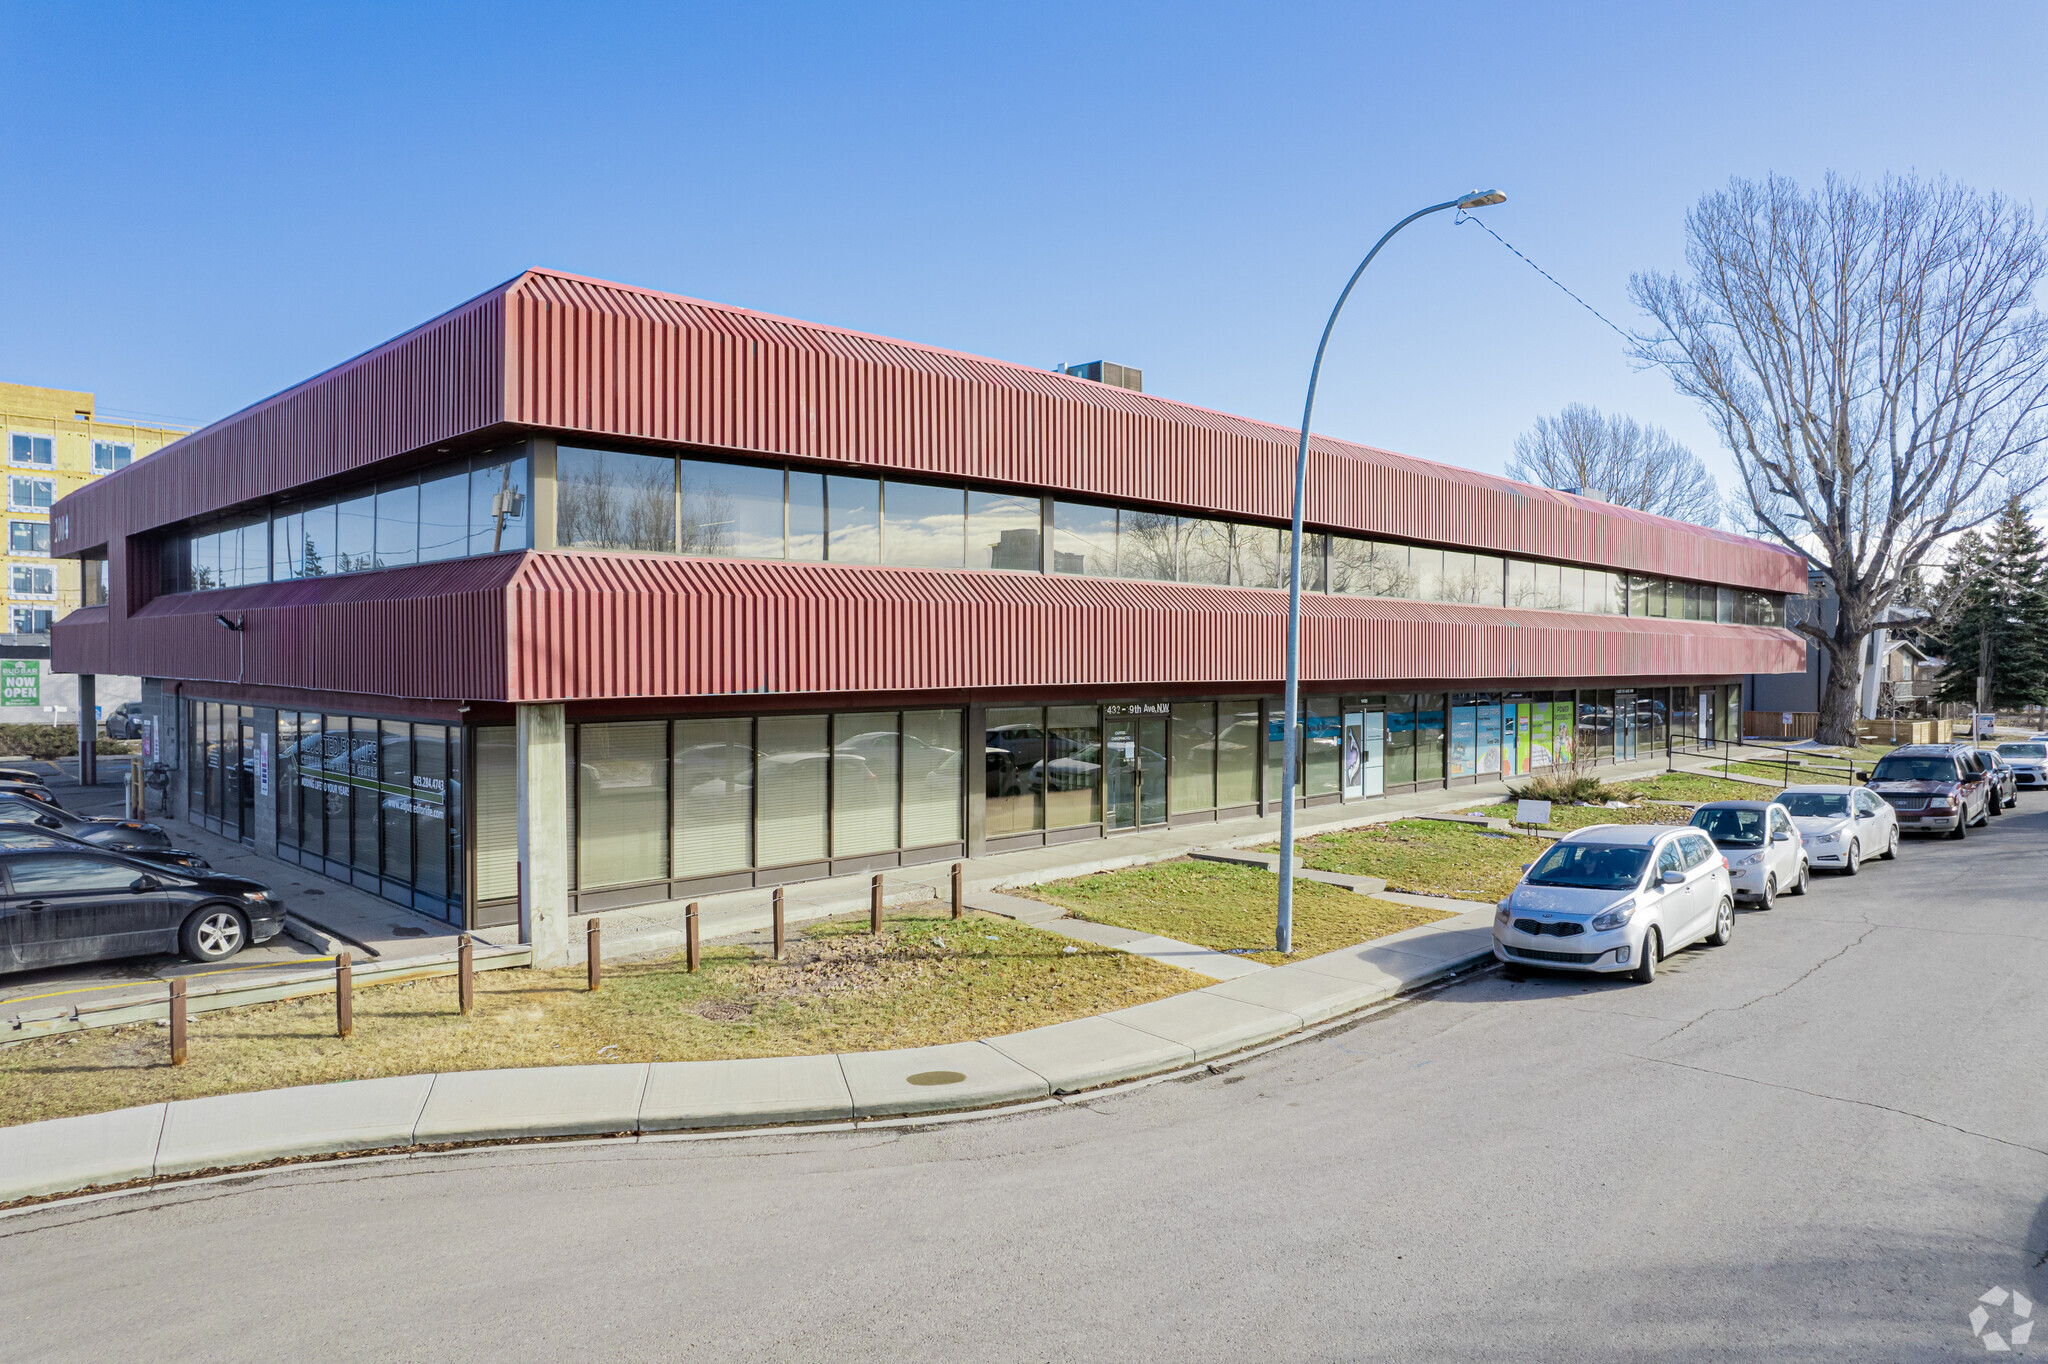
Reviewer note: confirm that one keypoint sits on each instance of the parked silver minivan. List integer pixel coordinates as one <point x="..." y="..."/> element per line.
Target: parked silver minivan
<point x="1617" y="898"/>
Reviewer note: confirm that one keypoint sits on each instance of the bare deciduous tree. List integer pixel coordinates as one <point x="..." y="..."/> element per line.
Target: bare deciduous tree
<point x="1627" y="462"/>
<point x="1874" y="360"/>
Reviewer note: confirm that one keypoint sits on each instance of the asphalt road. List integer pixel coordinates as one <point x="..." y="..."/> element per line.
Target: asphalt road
<point x="1824" y="1141"/>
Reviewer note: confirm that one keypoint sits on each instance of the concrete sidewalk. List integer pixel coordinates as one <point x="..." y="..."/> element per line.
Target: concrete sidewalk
<point x="640" y="1100"/>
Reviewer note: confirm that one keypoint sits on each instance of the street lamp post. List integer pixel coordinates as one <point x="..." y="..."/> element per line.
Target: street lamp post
<point x="1291" y="703"/>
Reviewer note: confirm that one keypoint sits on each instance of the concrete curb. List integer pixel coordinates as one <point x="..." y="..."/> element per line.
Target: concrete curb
<point x="662" y="1100"/>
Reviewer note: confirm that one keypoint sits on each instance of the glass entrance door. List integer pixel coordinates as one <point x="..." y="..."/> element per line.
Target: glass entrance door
<point x="1134" y="770"/>
<point x="1152" y="769"/>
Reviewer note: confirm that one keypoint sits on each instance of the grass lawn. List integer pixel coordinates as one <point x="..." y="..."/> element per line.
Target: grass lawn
<point x="1563" y="817"/>
<point x="924" y="981"/>
<point x="1825" y="770"/>
<point x="1693" y="786"/>
<point x="1428" y="857"/>
<point x="1228" y="908"/>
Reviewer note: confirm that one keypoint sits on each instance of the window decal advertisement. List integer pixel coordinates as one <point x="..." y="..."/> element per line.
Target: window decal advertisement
<point x="1540" y="751"/>
<point x="1464" y="741"/>
<point x="1489" y="741"/>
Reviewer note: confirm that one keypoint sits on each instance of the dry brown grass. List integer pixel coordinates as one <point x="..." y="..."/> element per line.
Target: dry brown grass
<point x="924" y="981"/>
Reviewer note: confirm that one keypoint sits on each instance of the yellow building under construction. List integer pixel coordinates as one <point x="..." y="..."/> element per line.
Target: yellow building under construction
<point x="54" y="442"/>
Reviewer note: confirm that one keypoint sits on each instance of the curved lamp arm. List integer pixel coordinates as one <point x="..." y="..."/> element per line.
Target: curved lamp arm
<point x="1291" y="702"/>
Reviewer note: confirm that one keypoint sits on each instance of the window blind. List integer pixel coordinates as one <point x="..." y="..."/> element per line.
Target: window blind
<point x="791" y="757"/>
<point x="622" y="800"/>
<point x="497" y="815"/>
<point x="865" y="785"/>
<point x="931" y="777"/>
<point x="714" y="796"/>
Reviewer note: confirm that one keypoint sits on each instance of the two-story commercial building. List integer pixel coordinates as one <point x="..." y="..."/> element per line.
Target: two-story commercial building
<point x="583" y="596"/>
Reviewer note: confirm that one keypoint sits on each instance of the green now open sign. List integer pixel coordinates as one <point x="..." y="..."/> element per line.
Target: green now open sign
<point x="21" y="682"/>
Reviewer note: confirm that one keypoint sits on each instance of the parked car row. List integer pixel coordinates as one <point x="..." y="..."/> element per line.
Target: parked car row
<point x="80" y="888"/>
<point x="1617" y="898"/>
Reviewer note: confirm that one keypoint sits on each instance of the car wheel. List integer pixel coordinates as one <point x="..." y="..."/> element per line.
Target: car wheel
<point x="1799" y="885"/>
<point x="1962" y="829"/>
<point x="1852" y="860"/>
<point x="1769" y="899"/>
<point x="1891" y="849"/>
<point x="1994" y="804"/>
<point x="2014" y="802"/>
<point x="1646" y="969"/>
<point x="214" y="933"/>
<point x="1983" y="820"/>
<point x="1724" y="917"/>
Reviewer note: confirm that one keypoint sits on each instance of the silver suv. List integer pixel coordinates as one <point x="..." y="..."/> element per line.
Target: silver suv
<point x="1617" y="898"/>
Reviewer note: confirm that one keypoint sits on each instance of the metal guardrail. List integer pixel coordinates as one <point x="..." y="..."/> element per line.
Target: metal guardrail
<point x="51" y="1022"/>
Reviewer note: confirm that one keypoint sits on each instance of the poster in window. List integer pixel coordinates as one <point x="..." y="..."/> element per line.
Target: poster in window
<point x="1354" y="754"/>
<point x="1464" y="741"/>
<point x="1525" y="722"/>
<point x="1489" y="741"/>
<point x="1540" y="754"/>
<point x="1561" y="731"/>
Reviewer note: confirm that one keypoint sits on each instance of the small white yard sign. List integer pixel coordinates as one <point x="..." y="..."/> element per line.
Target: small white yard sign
<point x="1532" y="812"/>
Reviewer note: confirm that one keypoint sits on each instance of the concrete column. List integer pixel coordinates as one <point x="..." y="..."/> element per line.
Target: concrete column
<point x="544" y="833"/>
<point x="88" y="732"/>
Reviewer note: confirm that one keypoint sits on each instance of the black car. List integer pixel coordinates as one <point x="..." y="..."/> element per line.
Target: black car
<point x="29" y="790"/>
<point x="88" y="904"/>
<point x="23" y="774"/>
<point x="126" y="721"/>
<point x="29" y="836"/>
<point x="104" y="833"/>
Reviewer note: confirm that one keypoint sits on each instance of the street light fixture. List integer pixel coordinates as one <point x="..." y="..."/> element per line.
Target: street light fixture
<point x="1291" y="703"/>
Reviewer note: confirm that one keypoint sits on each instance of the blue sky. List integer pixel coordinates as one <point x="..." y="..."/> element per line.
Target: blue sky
<point x="208" y="204"/>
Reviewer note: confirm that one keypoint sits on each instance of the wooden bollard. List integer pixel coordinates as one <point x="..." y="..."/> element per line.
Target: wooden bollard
<point x="780" y="937"/>
<point x="957" y="908"/>
<point x="344" y="995"/>
<point x="465" y="973"/>
<point x="177" y="1020"/>
<point x="690" y="953"/>
<point x="593" y="943"/>
<point x="875" y="905"/>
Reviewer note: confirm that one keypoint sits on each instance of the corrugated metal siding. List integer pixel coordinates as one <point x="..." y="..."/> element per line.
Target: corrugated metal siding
<point x="576" y="355"/>
<point x="433" y="632"/>
<point x="586" y="626"/>
<point x="606" y="359"/>
<point x="436" y="382"/>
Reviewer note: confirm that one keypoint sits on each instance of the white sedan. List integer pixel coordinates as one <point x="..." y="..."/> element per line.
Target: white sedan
<point x="1842" y="825"/>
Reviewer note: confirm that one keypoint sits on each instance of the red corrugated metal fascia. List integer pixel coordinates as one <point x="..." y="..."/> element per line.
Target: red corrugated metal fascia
<point x="432" y="632"/>
<point x="586" y="355"/>
<point x="440" y="380"/>
<point x="585" y="626"/>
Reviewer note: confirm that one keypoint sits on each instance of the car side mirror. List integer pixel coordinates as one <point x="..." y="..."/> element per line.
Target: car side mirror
<point x="1527" y="865"/>
<point x="1862" y="776"/>
<point x="1781" y="837"/>
<point x="1672" y="878"/>
<point x="142" y="883"/>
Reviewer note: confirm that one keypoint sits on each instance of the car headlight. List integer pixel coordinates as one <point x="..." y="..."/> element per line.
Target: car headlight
<point x="1613" y="917"/>
<point x="1937" y="802"/>
<point x="253" y="896"/>
<point x="1748" y="861"/>
<point x="1826" y="838"/>
<point x="1500" y="911"/>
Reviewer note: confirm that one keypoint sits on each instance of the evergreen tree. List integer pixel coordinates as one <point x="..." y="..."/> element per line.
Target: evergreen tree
<point x="1991" y="615"/>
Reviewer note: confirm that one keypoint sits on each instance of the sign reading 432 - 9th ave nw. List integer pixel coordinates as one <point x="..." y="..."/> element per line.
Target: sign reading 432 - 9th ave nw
<point x="21" y="682"/>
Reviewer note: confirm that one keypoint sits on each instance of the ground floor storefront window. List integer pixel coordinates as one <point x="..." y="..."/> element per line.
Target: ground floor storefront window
<point x="374" y="802"/>
<point x="661" y="809"/>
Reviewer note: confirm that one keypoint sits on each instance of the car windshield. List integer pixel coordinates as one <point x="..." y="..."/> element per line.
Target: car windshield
<point x="1732" y="828"/>
<point x="1813" y="803"/>
<point x="1589" y="866"/>
<point x="1896" y="768"/>
<point x="2023" y="750"/>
